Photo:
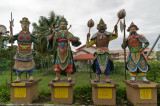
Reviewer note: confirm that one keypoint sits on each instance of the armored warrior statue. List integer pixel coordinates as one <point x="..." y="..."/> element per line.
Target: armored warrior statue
<point x="24" y="59"/>
<point x="137" y="62"/>
<point x="102" y="62"/>
<point x="60" y="41"/>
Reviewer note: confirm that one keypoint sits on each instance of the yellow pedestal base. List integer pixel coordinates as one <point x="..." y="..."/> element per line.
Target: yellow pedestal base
<point x="141" y="94"/>
<point x="62" y="92"/>
<point x="24" y="92"/>
<point x="104" y="93"/>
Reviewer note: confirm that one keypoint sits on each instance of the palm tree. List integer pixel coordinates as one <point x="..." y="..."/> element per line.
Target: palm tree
<point x="42" y="30"/>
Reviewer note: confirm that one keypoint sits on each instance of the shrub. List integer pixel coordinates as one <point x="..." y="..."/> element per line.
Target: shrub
<point x="83" y="95"/>
<point x="154" y="72"/>
<point x="158" y="96"/>
<point x="4" y="93"/>
<point x="121" y="94"/>
<point x="44" y="94"/>
<point x="119" y="68"/>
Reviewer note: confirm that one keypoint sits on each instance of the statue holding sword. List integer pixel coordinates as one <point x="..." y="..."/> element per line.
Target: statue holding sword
<point x="136" y="62"/>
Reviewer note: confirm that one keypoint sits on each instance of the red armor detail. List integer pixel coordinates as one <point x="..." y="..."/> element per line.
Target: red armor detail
<point x="20" y="37"/>
<point x="69" y="68"/>
<point x="28" y="37"/>
<point x="136" y="36"/>
<point x="62" y="39"/>
<point x="133" y="42"/>
<point x="24" y="32"/>
<point x="57" y="68"/>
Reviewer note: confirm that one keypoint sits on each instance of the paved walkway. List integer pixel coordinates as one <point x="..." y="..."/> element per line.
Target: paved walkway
<point x="38" y="105"/>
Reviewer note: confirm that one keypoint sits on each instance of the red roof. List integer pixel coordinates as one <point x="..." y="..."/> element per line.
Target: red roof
<point x="118" y="51"/>
<point x="82" y="50"/>
<point x="84" y="57"/>
<point x="84" y="46"/>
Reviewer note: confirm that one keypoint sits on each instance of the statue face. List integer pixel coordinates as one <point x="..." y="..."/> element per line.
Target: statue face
<point x="25" y="26"/>
<point x="133" y="30"/>
<point x="101" y="28"/>
<point x="63" y="26"/>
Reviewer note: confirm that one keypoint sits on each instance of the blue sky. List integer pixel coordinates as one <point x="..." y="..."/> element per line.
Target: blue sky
<point x="144" y="13"/>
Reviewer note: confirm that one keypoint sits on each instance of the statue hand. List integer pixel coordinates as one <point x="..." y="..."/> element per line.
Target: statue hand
<point x="141" y="50"/>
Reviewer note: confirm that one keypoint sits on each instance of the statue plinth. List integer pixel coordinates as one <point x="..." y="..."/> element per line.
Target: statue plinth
<point x="24" y="92"/>
<point x="104" y="93"/>
<point x="62" y="91"/>
<point x="142" y="94"/>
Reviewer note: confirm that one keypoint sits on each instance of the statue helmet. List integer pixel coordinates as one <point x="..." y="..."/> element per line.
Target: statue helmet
<point x="24" y="20"/>
<point x="63" y="20"/>
<point x="101" y="22"/>
<point x="132" y="25"/>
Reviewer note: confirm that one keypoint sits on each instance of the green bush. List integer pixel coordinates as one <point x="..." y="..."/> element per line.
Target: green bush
<point x="44" y="94"/>
<point x="154" y="72"/>
<point x="119" y="68"/>
<point x="83" y="95"/>
<point x="121" y="94"/>
<point x="4" y="93"/>
<point x="158" y="96"/>
<point x="4" y="64"/>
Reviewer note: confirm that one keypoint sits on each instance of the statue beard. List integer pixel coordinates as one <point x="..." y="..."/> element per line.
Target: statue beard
<point x="63" y="27"/>
<point x="102" y="30"/>
<point x="25" y="29"/>
<point x="133" y="33"/>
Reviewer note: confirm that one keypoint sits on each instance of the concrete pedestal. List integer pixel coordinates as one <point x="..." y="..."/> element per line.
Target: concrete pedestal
<point x="62" y="91"/>
<point x="24" y="92"/>
<point x="104" y="93"/>
<point x="142" y="94"/>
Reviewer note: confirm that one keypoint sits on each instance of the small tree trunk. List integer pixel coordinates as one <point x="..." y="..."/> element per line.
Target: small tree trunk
<point x="90" y="69"/>
<point x="42" y="62"/>
<point x="49" y="62"/>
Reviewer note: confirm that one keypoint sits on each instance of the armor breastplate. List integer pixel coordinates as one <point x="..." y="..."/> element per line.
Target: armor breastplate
<point x="62" y="34"/>
<point x="62" y="39"/>
<point x="24" y="38"/>
<point x="134" y="45"/>
<point x="63" y="52"/>
<point x="24" y="52"/>
<point x="102" y="41"/>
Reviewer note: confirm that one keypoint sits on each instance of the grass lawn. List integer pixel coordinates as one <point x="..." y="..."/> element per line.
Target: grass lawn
<point x="82" y="78"/>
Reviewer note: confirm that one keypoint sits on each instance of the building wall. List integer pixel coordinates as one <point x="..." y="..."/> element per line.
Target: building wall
<point x="121" y="55"/>
<point x="82" y="64"/>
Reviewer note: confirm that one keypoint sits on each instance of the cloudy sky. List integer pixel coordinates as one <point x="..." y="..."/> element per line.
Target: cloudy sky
<point x="144" y="13"/>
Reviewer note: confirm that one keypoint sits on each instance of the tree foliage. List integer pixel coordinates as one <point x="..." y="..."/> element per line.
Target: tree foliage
<point x="42" y="30"/>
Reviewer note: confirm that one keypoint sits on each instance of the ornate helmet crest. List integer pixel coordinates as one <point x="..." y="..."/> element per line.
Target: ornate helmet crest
<point x="132" y="25"/>
<point x="63" y="20"/>
<point x="101" y="22"/>
<point x="24" y="20"/>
